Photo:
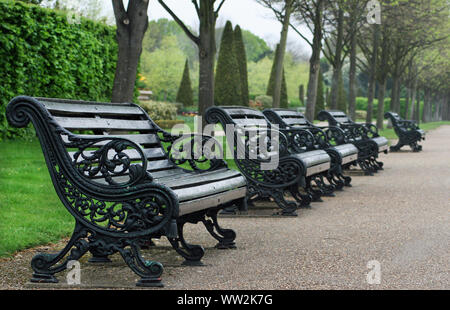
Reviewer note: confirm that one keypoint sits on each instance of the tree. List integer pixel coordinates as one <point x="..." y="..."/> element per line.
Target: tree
<point x="282" y="10"/>
<point x="228" y="78"/>
<point x="320" y="102"/>
<point x="185" y="95"/>
<point x="342" y="95"/>
<point x="207" y="14"/>
<point x="301" y="94"/>
<point x="131" y="26"/>
<point x="162" y="69"/>
<point x="284" y="103"/>
<point x="242" y="63"/>
<point x="310" y="12"/>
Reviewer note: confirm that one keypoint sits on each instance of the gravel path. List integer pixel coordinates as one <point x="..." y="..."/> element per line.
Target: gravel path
<point x="399" y="217"/>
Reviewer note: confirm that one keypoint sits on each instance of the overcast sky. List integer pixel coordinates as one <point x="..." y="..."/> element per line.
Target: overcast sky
<point x="247" y="13"/>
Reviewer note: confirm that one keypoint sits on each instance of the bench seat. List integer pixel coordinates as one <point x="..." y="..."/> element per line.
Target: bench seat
<point x="315" y="161"/>
<point x="363" y="135"/>
<point x="382" y="142"/>
<point x="348" y="152"/>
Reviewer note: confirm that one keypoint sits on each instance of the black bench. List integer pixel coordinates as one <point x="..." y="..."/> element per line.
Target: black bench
<point x="364" y="136"/>
<point x="121" y="178"/>
<point x="298" y="174"/>
<point x="407" y="131"/>
<point x="342" y="156"/>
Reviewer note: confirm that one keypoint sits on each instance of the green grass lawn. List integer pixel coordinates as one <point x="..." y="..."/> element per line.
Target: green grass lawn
<point x="30" y="211"/>
<point x="31" y="214"/>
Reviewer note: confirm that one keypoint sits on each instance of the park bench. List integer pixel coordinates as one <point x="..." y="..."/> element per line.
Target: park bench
<point x="407" y="131"/>
<point x="342" y="156"/>
<point x="364" y="136"/>
<point x="124" y="181"/>
<point x="299" y="174"/>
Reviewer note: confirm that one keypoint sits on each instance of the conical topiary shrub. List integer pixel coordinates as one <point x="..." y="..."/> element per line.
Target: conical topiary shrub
<point x="320" y="100"/>
<point x="242" y="63"/>
<point x="227" y="89"/>
<point x="185" y="94"/>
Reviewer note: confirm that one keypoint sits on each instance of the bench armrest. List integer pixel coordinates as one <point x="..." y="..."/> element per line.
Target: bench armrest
<point x="306" y="139"/>
<point x="201" y="152"/>
<point x="335" y="135"/>
<point x="408" y="125"/>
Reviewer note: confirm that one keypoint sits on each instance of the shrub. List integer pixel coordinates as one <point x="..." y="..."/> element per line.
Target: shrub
<point x="185" y="94"/>
<point x="43" y="55"/>
<point x="227" y="89"/>
<point x="265" y="102"/>
<point x="160" y="110"/>
<point x="360" y="115"/>
<point x="241" y="57"/>
<point x="168" y="124"/>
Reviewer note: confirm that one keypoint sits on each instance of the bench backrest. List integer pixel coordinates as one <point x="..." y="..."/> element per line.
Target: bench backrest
<point x="394" y="117"/>
<point x="335" y="118"/>
<point x="244" y="117"/>
<point x="104" y="120"/>
<point x="286" y="118"/>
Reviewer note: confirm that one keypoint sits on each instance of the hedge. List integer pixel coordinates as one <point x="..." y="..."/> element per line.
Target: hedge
<point x="42" y="54"/>
<point x="160" y="110"/>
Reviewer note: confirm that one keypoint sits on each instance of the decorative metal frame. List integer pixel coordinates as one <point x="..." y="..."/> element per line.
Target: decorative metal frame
<point x="112" y="217"/>
<point x="317" y="139"/>
<point x="289" y="179"/>
<point x="407" y="131"/>
<point x="360" y="135"/>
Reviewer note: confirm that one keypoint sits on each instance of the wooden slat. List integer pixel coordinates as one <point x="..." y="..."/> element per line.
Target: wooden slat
<point x="242" y="111"/>
<point x="191" y="179"/>
<point x="292" y="121"/>
<point x="284" y="113"/>
<point x="137" y="138"/>
<point x="81" y="123"/>
<point x="157" y="165"/>
<point x="250" y="121"/>
<point x="72" y="101"/>
<point x="212" y="201"/>
<point x="131" y="153"/>
<point x="172" y="173"/>
<point x="87" y="108"/>
<point x="205" y="190"/>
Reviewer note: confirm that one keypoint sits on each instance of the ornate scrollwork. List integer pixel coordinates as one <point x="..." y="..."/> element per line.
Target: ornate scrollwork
<point x="109" y="160"/>
<point x="139" y="215"/>
<point x="301" y="140"/>
<point x="200" y="152"/>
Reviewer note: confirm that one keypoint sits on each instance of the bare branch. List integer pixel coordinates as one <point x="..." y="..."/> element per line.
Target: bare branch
<point x="193" y="37"/>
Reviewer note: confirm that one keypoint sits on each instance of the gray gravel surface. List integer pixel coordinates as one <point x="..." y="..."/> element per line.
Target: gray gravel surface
<point x="399" y="217"/>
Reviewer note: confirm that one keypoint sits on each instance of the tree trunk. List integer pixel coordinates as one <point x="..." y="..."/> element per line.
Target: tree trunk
<point x="380" y="108"/>
<point x="411" y="112"/>
<point x="207" y="55"/>
<point x="426" y="106"/>
<point x="437" y="109"/>
<point x="337" y="65"/>
<point x="396" y="94"/>
<point x="408" y="101"/>
<point x="282" y="52"/>
<point x="131" y="27"/>
<point x="373" y="68"/>
<point x="417" y="109"/>
<point x="352" y="78"/>
<point x="314" y="63"/>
